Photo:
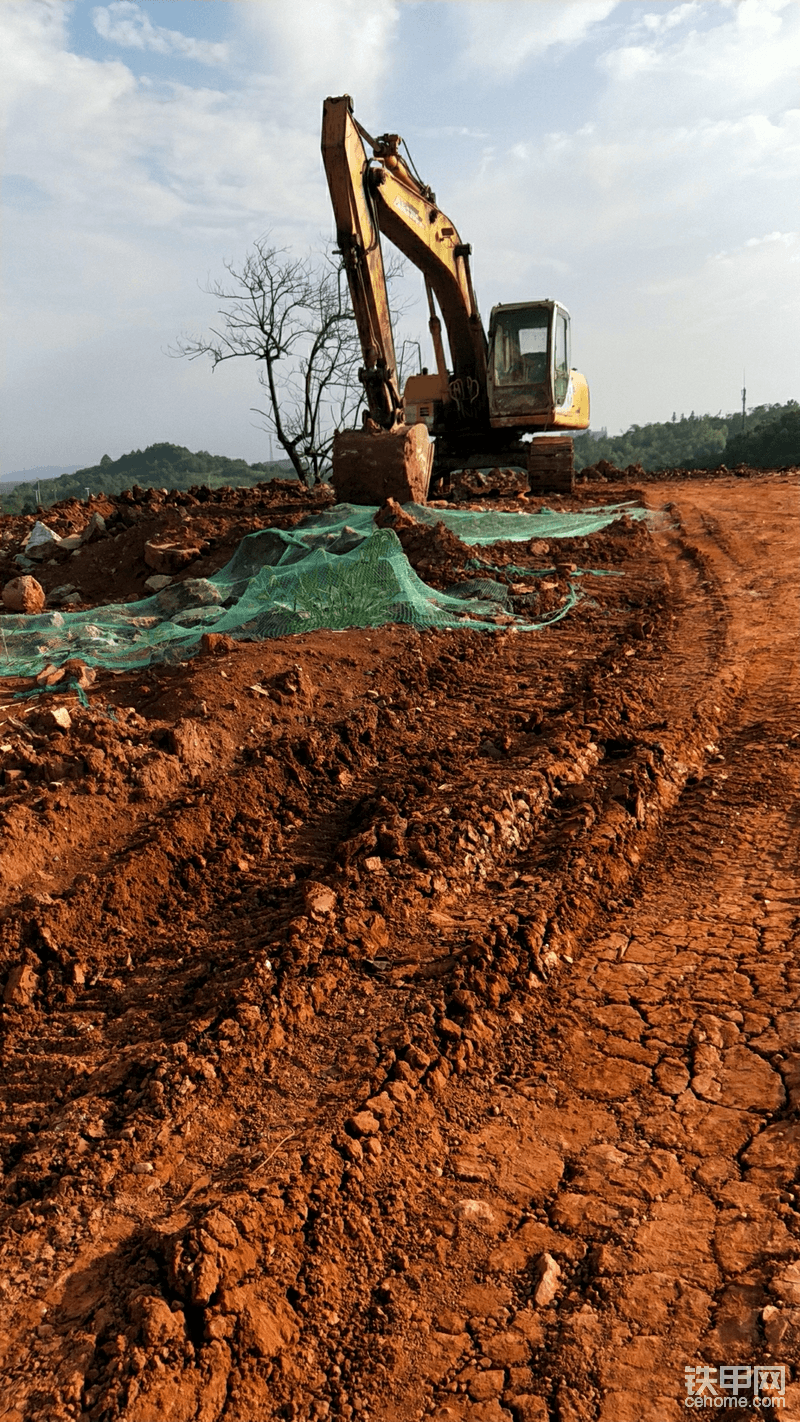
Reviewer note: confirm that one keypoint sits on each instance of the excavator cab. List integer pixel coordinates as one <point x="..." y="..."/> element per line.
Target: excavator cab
<point x="530" y="380"/>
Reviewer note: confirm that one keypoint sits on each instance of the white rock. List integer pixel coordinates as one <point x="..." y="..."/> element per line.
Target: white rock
<point x="475" y="1212"/>
<point x="549" y="1275"/>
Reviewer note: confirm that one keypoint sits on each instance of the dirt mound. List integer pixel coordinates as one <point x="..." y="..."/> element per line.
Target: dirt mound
<point x="604" y="472"/>
<point x="140" y="532"/>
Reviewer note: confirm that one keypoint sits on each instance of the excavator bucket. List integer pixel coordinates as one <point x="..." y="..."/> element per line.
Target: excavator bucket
<point x="370" y="466"/>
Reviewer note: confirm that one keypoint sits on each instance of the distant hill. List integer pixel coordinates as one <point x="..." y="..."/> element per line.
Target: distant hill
<point x="42" y="471"/>
<point x="160" y="466"/>
<point x="771" y="445"/>
<point x="698" y="441"/>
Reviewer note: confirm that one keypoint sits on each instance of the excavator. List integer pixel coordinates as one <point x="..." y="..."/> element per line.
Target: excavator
<point x="517" y="381"/>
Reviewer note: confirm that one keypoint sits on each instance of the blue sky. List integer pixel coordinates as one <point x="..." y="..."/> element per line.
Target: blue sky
<point x="640" y="162"/>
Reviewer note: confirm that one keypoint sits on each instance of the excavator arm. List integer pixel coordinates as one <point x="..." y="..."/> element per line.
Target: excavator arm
<point x="376" y="196"/>
<point x="358" y="240"/>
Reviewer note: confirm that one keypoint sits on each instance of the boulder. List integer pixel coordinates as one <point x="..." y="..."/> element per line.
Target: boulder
<point x="24" y="595"/>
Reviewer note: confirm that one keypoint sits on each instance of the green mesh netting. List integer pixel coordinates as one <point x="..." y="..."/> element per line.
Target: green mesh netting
<point x="493" y="526"/>
<point x="334" y="570"/>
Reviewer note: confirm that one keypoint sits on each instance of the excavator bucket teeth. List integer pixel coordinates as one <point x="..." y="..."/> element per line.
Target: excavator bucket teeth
<point x="550" y="466"/>
<point x="372" y="466"/>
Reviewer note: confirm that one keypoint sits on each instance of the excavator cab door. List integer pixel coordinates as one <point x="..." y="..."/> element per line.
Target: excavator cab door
<point x="529" y="363"/>
<point x="560" y="356"/>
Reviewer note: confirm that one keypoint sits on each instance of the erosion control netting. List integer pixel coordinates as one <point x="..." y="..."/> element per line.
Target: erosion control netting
<point x="334" y="570"/>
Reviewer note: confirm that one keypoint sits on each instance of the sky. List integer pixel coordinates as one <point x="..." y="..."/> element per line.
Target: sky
<point x="639" y="162"/>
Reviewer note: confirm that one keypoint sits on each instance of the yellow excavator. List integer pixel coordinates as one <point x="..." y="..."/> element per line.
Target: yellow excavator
<point x="517" y="381"/>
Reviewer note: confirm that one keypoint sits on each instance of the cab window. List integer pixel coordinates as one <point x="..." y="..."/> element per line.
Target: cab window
<point x="520" y="348"/>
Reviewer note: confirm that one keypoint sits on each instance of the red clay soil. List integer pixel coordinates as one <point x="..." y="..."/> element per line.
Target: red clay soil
<point x="406" y="1025"/>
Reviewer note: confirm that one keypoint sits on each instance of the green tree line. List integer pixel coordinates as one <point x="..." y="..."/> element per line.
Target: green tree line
<point x="160" y="466"/>
<point x="770" y="438"/>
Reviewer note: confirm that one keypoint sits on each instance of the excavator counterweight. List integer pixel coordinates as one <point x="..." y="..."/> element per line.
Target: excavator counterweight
<point x="516" y="382"/>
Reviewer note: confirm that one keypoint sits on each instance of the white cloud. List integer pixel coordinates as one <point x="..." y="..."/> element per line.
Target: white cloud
<point x="320" y="47"/>
<point x="502" y="36"/>
<point x="125" y="23"/>
<point x="734" y="55"/>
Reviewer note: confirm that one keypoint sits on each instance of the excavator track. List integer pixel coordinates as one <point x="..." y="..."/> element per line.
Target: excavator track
<point x="550" y="465"/>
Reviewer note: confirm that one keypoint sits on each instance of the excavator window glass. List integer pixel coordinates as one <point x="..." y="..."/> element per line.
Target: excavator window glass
<point x="561" y="358"/>
<point x="520" y="347"/>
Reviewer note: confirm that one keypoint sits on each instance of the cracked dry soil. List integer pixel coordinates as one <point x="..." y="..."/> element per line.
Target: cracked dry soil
<point x="405" y="1026"/>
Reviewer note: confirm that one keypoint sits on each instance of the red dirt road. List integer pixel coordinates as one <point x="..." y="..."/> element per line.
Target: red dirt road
<point x="418" y="1035"/>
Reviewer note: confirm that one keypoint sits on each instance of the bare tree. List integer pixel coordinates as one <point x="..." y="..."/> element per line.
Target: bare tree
<point x="293" y="316"/>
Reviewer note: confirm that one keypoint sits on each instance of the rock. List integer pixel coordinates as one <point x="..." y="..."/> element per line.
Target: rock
<point x="706" y="1086"/>
<point x="64" y="596"/>
<point x="50" y="675"/>
<point x="549" y="1274"/>
<point x="738" y="1245"/>
<point x="529" y="1325"/>
<point x="221" y="1228"/>
<point x="786" y="1284"/>
<point x="363" y="1123"/>
<point x="205" y="1280"/>
<point x="381" y="1106"/>
<point x="529" y="1408"/>
<point x="468" y="1167"/>
<point x="487" y="1385"/>
<point x="748" y="1082"/>
<point x="475" y="1212"/>
<point x="449" y="1322"/>
<point x="41" y="541"/>
<point x="216" y="644"/>
<point x="416" y="1058"/>
<point x="157" y="582"/>
<point x="267" y="1323"/>
<point x="507" y="1349"/>
<point x="775" y="1152"/>
<point x="94" y="528"/>
<point x="189" y="741"/>
<point x="54" y="719"/>
<point x="671" y="1077"/>
<point x="158" y="1323"/>
<point x="21" y="986"/>
<point x="319" y="898"/>
<point x="24" y="595"/>
<point x="486" y="1300"/>
<point x="168" y="557"/>
<point x="79" y="673"/>
<point x="449" y="1029"/>
<point x="776" y="1326"/>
